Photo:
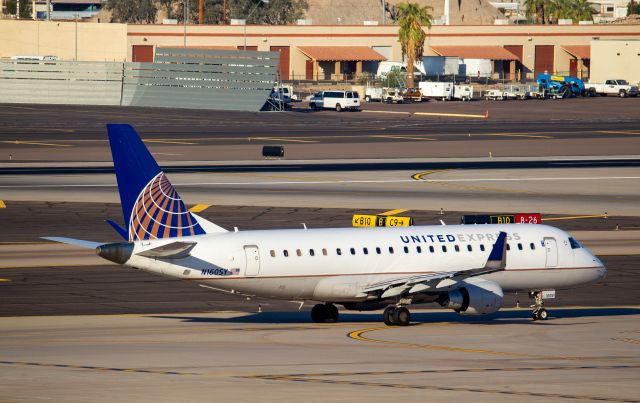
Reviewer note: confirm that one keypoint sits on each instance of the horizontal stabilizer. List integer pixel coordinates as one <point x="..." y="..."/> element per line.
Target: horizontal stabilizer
<point x="173" y="250"/>
<point x="72" y="241"/>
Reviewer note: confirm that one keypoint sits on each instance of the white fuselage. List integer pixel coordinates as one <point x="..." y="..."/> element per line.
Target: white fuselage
<point x="336" y="264"/>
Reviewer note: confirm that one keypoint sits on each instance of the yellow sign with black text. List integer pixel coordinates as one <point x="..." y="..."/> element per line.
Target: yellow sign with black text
<point x="364" y="220"/>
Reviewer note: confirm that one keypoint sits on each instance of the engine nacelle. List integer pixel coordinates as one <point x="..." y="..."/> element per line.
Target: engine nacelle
<point x="476" y="297"/>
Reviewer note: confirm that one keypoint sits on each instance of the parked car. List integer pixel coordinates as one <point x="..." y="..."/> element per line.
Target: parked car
<point x="620" y="88"/>
<point x="337" y="100"/>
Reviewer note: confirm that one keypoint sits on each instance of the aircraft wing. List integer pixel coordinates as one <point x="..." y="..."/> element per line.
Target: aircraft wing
<point x="439" y="280"/>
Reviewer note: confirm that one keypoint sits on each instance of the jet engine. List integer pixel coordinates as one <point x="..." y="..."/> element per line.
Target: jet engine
<point x="476" y="296"/>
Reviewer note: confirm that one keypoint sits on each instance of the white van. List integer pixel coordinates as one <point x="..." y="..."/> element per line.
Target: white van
<point x="337" y="100"/>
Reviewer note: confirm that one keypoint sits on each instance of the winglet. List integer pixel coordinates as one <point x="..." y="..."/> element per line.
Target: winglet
<point x="498" y="256"/>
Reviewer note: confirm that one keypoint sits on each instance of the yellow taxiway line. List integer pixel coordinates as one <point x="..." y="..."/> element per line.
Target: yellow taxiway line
<point x="575" y="217"/>
<point x="394" y="212"/>
<point x="199" y="207"/>
<point x="459" y="115"/>
<point x="392" y="136"/>
<point x="283" y="139"/>
<point x="36" y="143"/>
<point x="168" y="142"/>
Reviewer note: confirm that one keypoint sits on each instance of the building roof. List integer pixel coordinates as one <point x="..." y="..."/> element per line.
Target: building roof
<point x="476" y="52"/>
<point x="341" y="53"/>
<point x="579" y="51"/>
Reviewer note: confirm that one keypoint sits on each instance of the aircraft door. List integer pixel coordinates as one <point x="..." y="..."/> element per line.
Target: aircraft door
<point x="551" y="247"/>
<point x="252" y="255"/>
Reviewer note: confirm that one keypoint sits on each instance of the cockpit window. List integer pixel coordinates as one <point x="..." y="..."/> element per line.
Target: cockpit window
<point x="574" y="244"/>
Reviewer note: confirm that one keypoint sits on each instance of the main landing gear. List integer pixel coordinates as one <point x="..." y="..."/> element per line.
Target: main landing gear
<point x="539" y="313"/>
<point x="396" y="316"/>
<point x="324" y="313"/>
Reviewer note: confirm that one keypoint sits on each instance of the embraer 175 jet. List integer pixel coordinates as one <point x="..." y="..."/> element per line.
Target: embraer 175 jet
<point x="463" y="267"/>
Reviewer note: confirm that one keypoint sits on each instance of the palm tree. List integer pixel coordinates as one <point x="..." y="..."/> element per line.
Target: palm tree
<point x="583" y="10"/>
<point x="561" y="9"/>
<point x="411" y="18"/>
<point x="535" y="10"/>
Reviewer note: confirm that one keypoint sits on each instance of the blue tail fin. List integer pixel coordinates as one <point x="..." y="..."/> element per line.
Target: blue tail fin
<point x="151" y="206"/>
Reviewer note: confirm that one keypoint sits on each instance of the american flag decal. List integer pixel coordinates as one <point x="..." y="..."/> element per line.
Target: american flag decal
<point x="160" y="213"/>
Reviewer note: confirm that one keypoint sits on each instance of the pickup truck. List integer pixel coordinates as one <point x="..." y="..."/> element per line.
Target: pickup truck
<point x="620" y="88"/>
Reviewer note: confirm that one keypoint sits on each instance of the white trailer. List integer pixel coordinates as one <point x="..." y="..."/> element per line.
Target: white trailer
<point x="437" y="90"/>
<point x="463" y="92"/>
<point x="475" y="67"/>
<point x="440" y="65"/>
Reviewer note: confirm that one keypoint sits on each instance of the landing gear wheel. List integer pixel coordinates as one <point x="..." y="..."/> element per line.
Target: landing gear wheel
<point x="401" y="316"/>
<point x="539" y="313"/>
<point x="318" y="313"/>
<point x="542" y="314"/>
<point x="388" y="315"/>
<point x="324" y="313"/>
<point x="332" y="313"/>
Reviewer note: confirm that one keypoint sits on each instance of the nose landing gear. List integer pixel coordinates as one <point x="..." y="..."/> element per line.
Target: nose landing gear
<point x="396" y="316"/>
<point x="539" y="312"/>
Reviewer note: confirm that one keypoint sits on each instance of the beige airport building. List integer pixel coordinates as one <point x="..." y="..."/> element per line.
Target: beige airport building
<point x="334" y="52"/>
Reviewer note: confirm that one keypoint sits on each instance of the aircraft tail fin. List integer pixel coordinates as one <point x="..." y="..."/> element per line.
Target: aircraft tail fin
<point x="150" y="205"/>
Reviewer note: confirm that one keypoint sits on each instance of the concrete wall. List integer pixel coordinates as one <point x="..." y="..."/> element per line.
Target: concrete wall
<point x="95" y="41"/>
<point x="615" y="59"/>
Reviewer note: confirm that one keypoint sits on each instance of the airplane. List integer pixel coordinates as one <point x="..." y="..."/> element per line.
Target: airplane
<point x="467" y="268"/>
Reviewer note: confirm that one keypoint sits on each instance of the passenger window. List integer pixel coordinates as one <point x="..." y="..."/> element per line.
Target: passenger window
<point x="482" y="247"/>
<point x="298" y="252"/>
<point x="508" y="247"/>
<point x="431" y="249"/>
<point x="457" y="248"/>
<point x="519" y="246"/>
<point x="353" y="251"/>
<point x="406" y="249"/>
<point x="338" y="252"/>
<point x="532" y="246"/>
<point x="418" y="249"/>
<point x="378" y="251"/>
<point x="444" y="248"/>
<point x="324" y="251"/>
<point x="391" y="249"/>
<point x="273" y="253"/>
<point x="469" y="248"/>
<point x="349" y="95"/>
<point x="285" y="253"/>
<point x="311" y="252"/>
<point x="365" y="251"/>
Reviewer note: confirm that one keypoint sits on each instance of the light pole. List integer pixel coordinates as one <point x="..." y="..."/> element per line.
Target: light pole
<point x="249" y="16"/>
<point x="186" y="11"/>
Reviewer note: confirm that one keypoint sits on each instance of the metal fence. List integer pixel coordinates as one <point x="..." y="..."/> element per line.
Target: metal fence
<point x="55" y="82"/>
<point x="202" y="79"/>
<point x="180" y="78"/>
